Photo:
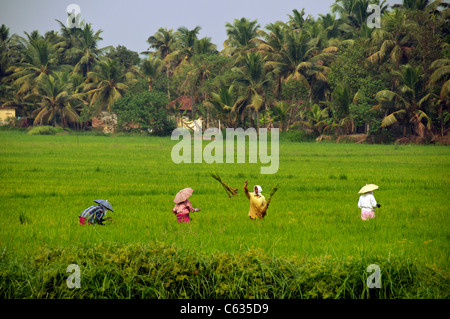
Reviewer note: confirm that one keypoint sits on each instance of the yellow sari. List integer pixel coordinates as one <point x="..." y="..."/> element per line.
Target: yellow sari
<point x="257" y="203"/>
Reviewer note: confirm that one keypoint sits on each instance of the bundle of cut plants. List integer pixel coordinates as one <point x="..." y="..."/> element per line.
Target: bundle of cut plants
<point x="228" y="189"/>
<point x="266" y="206"/>
<point x="273" y="191"/>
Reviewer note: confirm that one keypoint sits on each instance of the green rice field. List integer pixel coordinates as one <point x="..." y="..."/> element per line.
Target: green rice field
<point x="313" y="225"/>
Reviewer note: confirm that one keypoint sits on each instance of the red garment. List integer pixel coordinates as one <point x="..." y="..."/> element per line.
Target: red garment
<point x="182" y="211"/>
<point x="183" y="218"/>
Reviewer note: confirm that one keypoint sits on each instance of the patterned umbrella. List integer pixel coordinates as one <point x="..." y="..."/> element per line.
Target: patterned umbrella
<point x="182" y="195"/>
<point x="104" y="203"/>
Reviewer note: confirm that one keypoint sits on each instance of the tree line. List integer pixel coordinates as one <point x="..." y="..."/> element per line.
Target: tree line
<point x="330" y="75"/>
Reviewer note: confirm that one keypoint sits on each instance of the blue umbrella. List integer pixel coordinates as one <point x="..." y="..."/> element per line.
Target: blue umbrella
<point x="104" y="203"/>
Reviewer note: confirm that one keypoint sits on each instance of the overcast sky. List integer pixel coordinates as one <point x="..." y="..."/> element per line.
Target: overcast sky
<point x="131" y="22"/>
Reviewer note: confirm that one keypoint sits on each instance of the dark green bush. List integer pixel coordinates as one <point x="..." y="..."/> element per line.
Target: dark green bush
<point x="162" y="271"/>
<point x="44" y="130"/>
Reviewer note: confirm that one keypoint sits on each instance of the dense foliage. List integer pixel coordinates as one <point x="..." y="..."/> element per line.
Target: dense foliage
<point x="145" y="111"/>
<point x="158" y="271"/>
<point x="327" y="75"/>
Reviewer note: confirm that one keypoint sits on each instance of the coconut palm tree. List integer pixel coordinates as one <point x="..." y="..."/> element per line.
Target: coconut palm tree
<point x="296" y="20"/>
<point x="56" y="100"/>
<point x="79" y="47"/>
<point x="254" y="80"/>
<point x="39" y="60"/>
<point x="330" y="25"/>
<point x="9" y="56"/>
<point x="193" y="75"/>
<point x="150" y="69"/>
<point x="342" y="98"/>
<point x="107" y="83"/>
<point x="282" y="113"/>
<point x="240" y="33"/>
<point x="313" y="118"/>
<point x="186" y="39"/>
<point x="394" y="40"/>
<point x="439" y="84"/>
<point x="407" y="101"/>
<point x="5" y="47"/>
<point x="422" y="5"/>
<point x="441" y="75"/>
<point x="224" y="103"/>
<point x="354" y="12"/>
<point x="204" y="46"/>
<point x="164" y="42"/>
<point x="294" y="56"/>
<point x="68" y="41"/>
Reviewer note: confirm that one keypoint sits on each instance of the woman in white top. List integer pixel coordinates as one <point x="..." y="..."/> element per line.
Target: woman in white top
<point x="367" y="204"/>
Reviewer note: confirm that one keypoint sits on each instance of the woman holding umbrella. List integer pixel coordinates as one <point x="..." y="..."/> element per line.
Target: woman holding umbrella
<point x="95" y="213"/>
<point x="367" y="202"/>
<point x="183" y="206"/>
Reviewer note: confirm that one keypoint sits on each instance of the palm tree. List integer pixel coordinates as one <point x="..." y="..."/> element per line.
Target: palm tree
<point x="282" y="113"/>
<point x="294" y="56"/>
<point x="240" y="34"/>
<point x="5" y="47"/>
<point x="224" y="103"/>
<point x="330" y="25"/>
<point x="440" y="79"/>
<point x="204" y="46"/>
<point x="441" y="74"/>
<point x="395" y="39"/>
<point x="39" y="60"/>
<point x="9" y="56"/>
<point x="340" y="108"/>
<point x="313" y="118"/>
<point x="296" y="20"/>
<point x="193" y="74"/>
<point x="254" y="80"/>
<point x="107" y="83"/>
<point x="164" y="42"/>
<point x="354" y="12"/>
<point x="150" y="69"/>
<point x="67" y="43"/>
<point x="187" y="38"/>
<point x="56" y="100"/>
<point x="86" y="49"/>
<point x="406" y="101"/>
<point x="422" y="5"/>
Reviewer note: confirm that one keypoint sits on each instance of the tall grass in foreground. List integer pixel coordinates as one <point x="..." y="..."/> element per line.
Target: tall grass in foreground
<point x="158" y="270"/>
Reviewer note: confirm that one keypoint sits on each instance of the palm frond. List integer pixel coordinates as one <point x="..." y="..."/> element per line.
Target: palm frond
<point x="391" y="119"/>
<point x="445" y="90"/>
<point x="441" y="73"/>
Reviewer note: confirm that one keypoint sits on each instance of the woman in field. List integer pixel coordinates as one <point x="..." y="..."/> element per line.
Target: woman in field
<point x="94" y="214"/>
<point x="258" y="203"/>
<point x="367" y="202"/>
<point x="183" y="206"/>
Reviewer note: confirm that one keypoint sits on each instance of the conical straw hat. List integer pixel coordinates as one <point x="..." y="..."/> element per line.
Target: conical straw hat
<point x="368" y="188"/>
